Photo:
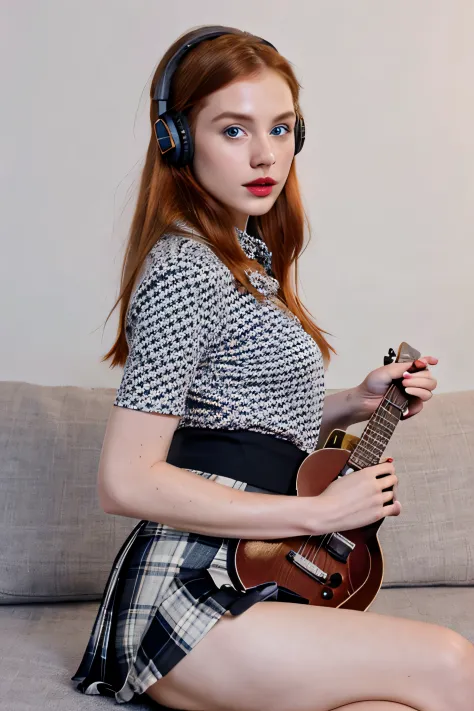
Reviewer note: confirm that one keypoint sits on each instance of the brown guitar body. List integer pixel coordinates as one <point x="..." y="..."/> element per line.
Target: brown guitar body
<point x="352" y="584"/>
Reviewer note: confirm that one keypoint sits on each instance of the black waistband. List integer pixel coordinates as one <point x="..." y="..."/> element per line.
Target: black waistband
<point x="261" y="460"/>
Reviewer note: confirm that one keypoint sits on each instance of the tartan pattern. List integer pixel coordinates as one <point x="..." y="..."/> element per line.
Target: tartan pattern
<point x="200" y="348"/>
<point x="165" y="591"/>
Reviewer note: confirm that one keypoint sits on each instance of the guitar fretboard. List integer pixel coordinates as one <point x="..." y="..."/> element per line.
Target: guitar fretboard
<point x="379" y="429"/>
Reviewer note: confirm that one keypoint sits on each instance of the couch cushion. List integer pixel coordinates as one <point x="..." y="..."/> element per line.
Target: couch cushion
<point x="432" y="540"/>
<point x="441" y="605"/>
<point x="42" y="645"/>
<point x="57" y="543"/>
<point x="41" y="648"/>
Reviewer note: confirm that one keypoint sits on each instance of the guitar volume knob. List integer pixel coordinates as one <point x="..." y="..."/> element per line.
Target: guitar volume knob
<point x="335" y="580"/>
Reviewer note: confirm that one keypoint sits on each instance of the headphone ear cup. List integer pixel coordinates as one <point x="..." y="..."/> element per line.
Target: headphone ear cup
<point x="299" y="134"/>
<point x="174" y="139"/>
<point x="186" y="152"/>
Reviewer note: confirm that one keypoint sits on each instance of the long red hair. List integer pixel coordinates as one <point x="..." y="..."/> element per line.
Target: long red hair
<point x="168" y="194"/>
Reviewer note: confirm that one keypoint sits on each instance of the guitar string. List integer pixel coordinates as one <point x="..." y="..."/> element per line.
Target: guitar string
<point x="380" y="420"/>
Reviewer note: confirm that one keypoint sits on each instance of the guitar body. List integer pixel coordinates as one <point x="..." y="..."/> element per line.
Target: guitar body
<point x="347" y="583"/>
<point x="334" y="569"/>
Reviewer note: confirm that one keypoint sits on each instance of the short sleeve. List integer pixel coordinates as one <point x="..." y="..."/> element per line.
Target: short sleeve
<point x="175" y="315"/>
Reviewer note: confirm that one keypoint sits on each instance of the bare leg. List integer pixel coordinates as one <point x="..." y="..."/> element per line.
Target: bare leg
<point x="307" y="658"/>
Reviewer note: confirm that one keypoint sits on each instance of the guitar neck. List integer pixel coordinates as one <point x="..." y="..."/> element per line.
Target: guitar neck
<point x="379" y="429"/>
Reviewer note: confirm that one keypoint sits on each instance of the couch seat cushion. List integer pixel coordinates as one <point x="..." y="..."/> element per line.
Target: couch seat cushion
<point x="42" y="645"/>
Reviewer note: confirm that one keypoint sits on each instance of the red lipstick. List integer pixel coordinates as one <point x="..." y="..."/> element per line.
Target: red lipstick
<point x="261" y="186"/>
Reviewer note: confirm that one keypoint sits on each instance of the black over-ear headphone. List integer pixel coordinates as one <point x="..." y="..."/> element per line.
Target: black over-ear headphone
<point x="172" y="128"/>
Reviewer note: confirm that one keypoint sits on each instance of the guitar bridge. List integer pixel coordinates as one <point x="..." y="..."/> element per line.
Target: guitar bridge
<point x="309" y="568"/>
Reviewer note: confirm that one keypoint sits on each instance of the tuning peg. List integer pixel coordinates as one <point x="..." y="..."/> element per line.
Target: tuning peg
<point x="390" y="357"/>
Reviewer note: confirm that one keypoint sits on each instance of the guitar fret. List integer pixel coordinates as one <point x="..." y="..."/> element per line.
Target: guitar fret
<point x="378" y="443"/>
<point x="389" y="413"/>
<point x="383" y="428"/>
<point x="386" y="431"/>
<point x="395" y="405"/>
<point x="371" y="453"/>
<point x="366" y="449"/>
<point x="369" y="439"/>
<point x="383" y="435"/>
<point x="381" y="422"/>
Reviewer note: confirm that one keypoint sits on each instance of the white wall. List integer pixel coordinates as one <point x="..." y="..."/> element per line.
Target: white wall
<point x="387" y="172"/>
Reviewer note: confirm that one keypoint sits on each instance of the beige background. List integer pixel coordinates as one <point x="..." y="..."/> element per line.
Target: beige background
<point x="387" y="172"/>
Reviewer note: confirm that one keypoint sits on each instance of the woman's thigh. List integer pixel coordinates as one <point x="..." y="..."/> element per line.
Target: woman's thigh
<point x="290" y="657"/>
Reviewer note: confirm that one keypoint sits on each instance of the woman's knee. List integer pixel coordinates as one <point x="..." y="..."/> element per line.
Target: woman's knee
<point x="458" y="665"/>
<point x="458" y="651"/>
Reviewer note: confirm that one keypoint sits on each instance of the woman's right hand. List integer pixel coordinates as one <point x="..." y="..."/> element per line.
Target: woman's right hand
<point x="358" y="499"/>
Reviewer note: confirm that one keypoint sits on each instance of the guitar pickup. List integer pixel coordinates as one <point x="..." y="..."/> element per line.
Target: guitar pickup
<point x="339" y="547"/>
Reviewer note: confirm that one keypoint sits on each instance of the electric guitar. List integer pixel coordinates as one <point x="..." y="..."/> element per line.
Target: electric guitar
<point x="334" y="569"/>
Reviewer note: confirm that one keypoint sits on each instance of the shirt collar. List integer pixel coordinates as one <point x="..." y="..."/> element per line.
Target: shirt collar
<point x="255" y="248"/>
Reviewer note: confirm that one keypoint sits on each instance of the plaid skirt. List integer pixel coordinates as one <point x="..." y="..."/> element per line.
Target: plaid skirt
<point x="166" y="590"/>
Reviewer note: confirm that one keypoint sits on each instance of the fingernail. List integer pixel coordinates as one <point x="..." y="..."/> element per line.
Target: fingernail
<point x="390" y="459"/>
<point x="407" y="374"/>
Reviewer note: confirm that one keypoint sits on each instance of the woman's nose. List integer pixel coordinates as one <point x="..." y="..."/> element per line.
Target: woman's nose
<point x="264" y="156"/>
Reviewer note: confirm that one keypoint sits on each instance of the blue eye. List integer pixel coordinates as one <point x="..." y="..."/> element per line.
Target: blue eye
<point x="232" y="128"/>
<point x="281" y="126"/>
<point x="236" y="128"/>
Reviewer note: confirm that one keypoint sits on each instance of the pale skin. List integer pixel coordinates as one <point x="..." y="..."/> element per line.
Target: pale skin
<point x="277" y="656"/>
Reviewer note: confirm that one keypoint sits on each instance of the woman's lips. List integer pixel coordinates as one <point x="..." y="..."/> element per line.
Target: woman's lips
<point x="260" y="190"/>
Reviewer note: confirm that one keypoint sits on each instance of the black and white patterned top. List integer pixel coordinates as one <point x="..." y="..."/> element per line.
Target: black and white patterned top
<point x="203" y="349"/>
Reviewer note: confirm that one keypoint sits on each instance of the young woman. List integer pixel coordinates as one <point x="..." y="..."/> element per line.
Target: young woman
<point x="223" y="383"/>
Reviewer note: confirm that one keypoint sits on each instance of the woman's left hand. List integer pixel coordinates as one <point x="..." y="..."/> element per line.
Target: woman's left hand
<point x="418" y="386"/>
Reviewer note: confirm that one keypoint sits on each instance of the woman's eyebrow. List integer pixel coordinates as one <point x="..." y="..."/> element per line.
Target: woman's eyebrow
<point x="246" y="117"/>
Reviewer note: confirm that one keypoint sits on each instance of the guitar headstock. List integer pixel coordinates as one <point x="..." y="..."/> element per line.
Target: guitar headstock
<point x="406" y="354"/>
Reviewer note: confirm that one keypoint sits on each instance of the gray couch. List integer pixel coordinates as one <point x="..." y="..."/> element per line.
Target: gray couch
<point x="58" y="545"/>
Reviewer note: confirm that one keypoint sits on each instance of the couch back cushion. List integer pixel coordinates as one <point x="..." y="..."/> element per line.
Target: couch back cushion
<point x="58" y="545"/>
<point x="432" y="540"/>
